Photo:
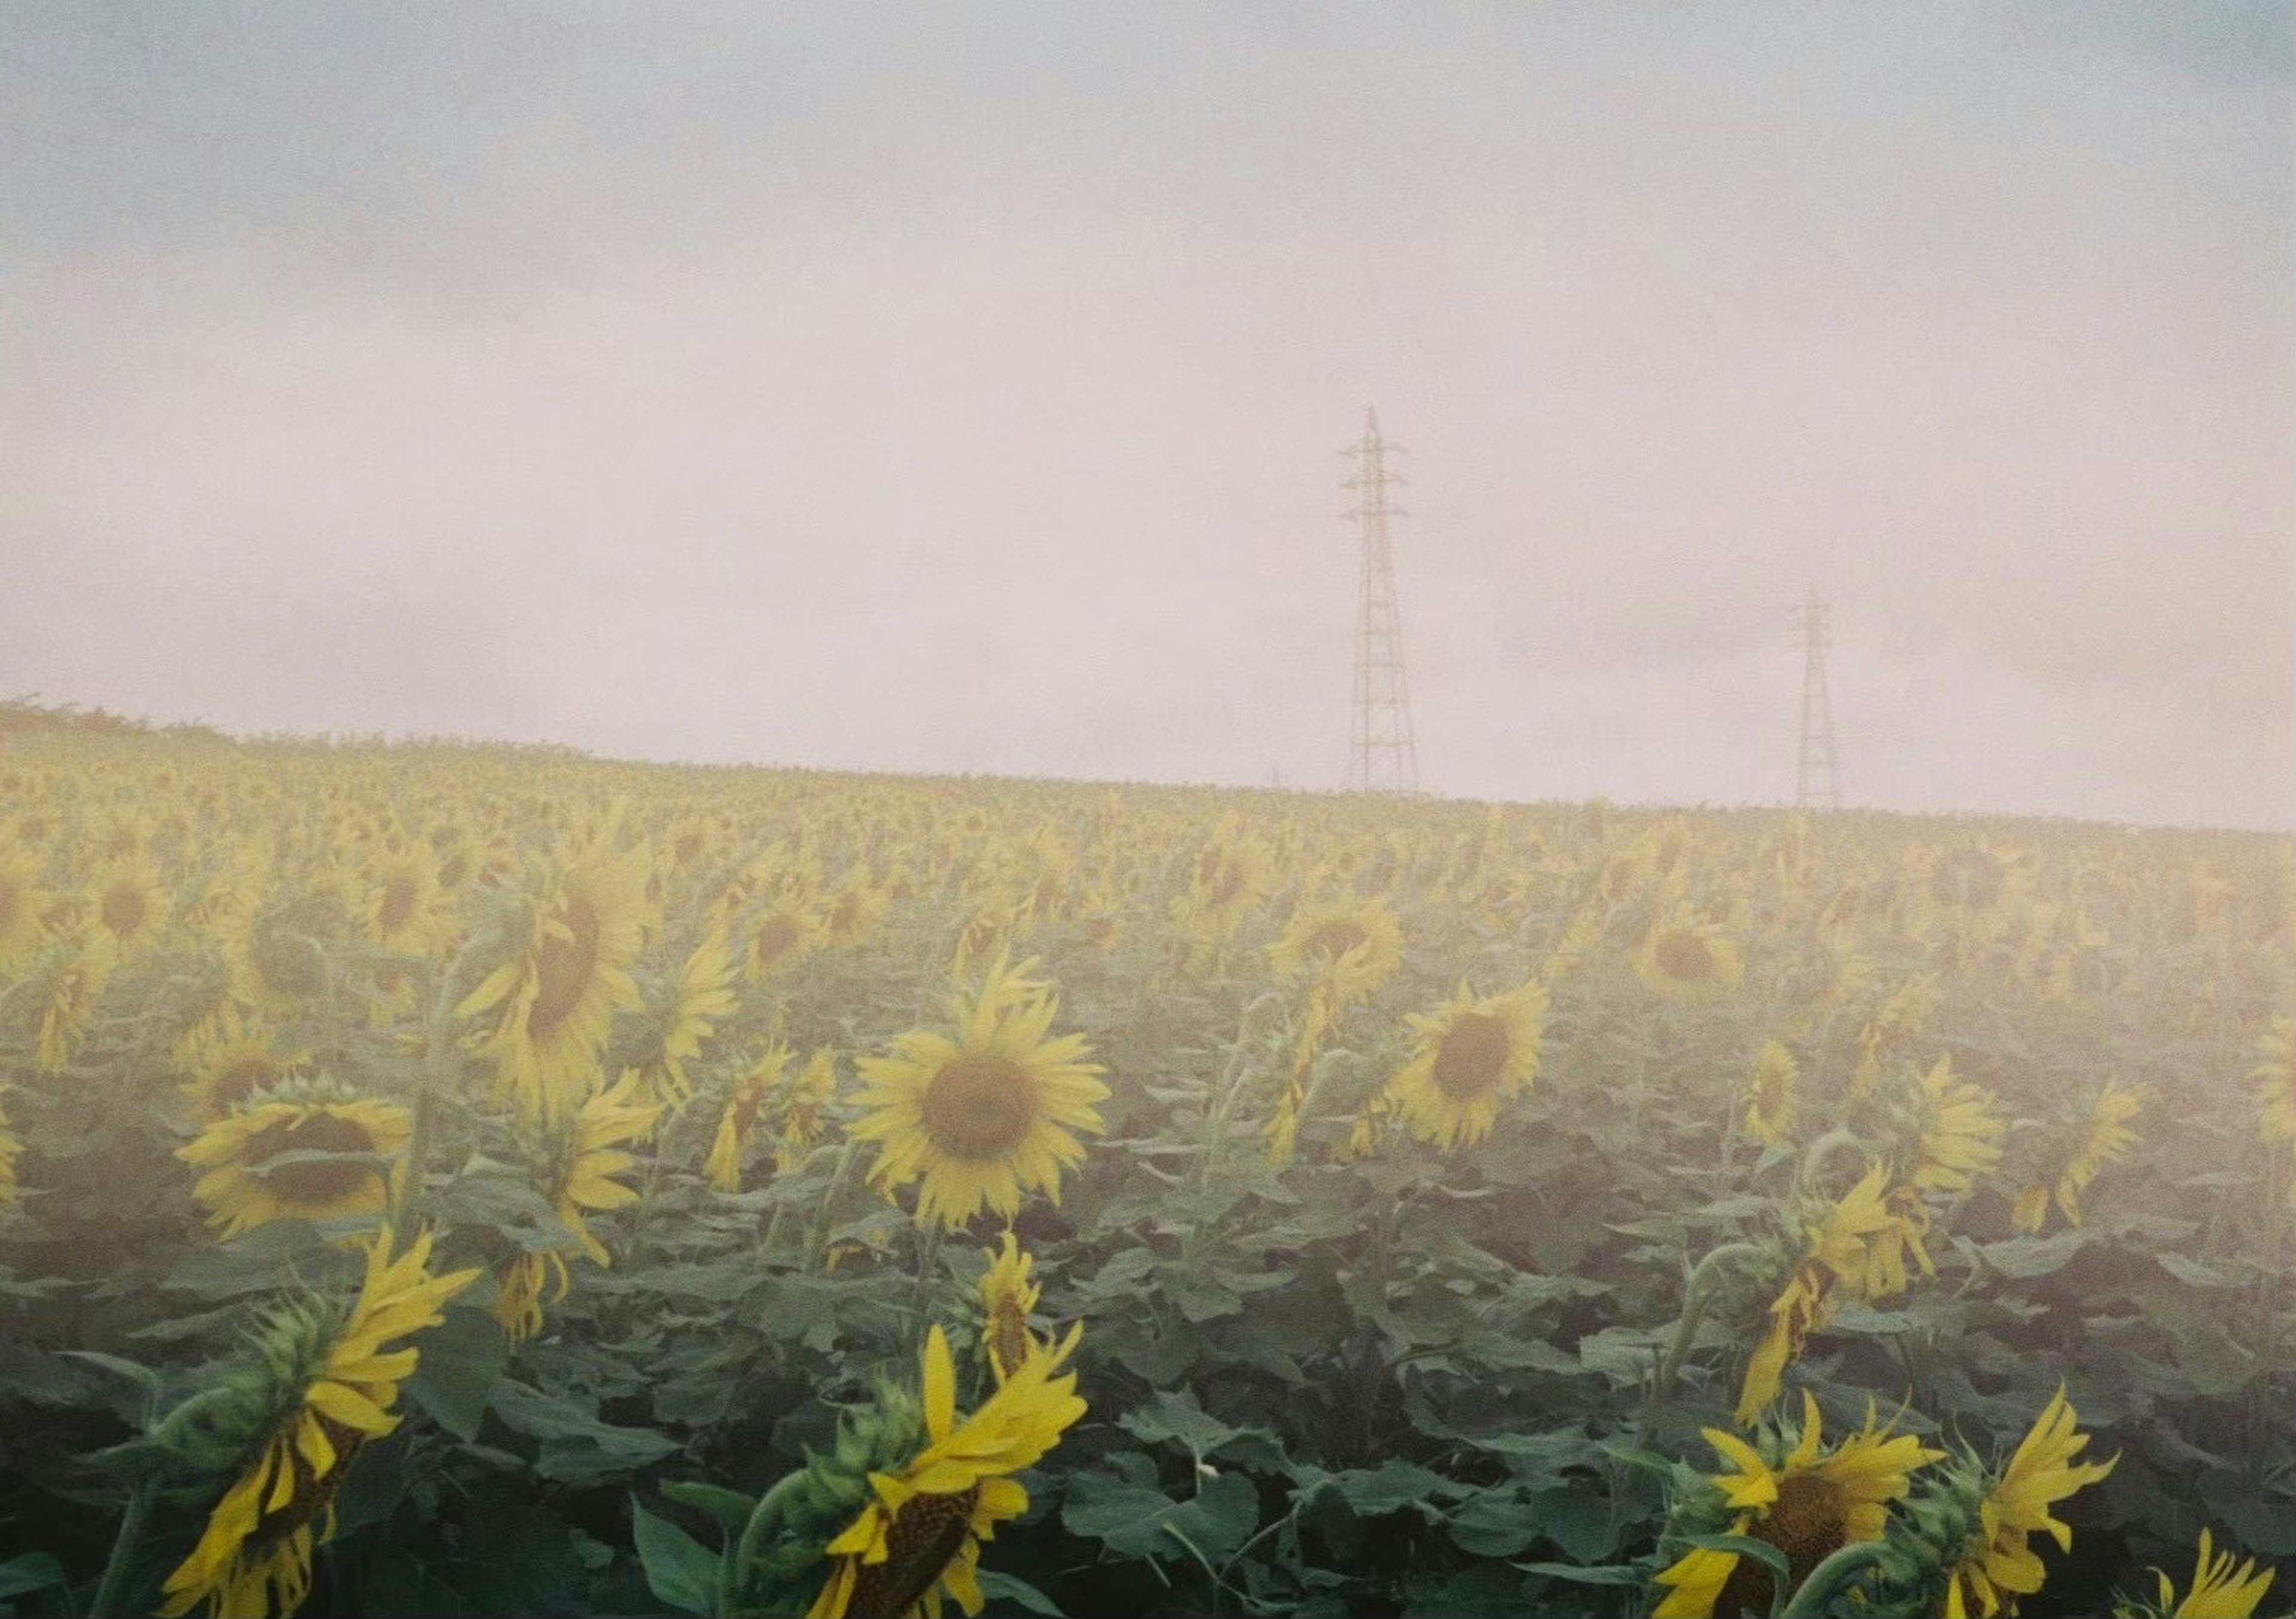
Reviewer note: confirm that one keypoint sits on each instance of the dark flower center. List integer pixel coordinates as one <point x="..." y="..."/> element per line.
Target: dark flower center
<point x="1472" y="1055"/>
<point x="1685" y="956"/>
<point x="564" y="968"/>
<point x="978" y="1108"/>
<point x="924" y="1538"/>
<point x="315" y="1182"/>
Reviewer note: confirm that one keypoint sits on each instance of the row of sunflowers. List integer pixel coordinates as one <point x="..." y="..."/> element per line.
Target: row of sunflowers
<point x="463" y="1181"/>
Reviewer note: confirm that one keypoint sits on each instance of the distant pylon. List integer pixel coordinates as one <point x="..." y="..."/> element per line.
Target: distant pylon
<point x="1815" y="784"/>
<point x="1385" y="758"/>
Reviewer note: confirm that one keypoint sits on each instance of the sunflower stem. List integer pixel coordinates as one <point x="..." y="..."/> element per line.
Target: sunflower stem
<point x="1815" y="1158"/>
<point x="928" y="1261"/>
<point x="1815" y="1596"/>
<point x="817" y="1236"/>
<point x="438" y="1045"/>
<point x="734" y="1578"/>
<point x="1698" y="1293"/>
<point x="112" y="1588"/>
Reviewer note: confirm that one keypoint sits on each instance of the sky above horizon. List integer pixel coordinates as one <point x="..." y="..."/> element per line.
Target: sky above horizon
<point x="960" y="389"/>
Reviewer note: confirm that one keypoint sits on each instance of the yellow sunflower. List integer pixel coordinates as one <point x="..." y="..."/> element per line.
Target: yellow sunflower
<point x="131" y="906"/>
<point x="1809" y="1505"/>
<point x="2102" y="1136"/>
<point x="802" y="1110"/>
<point x="574" y="1161"/>
<point x="1685" y="959"/>
<point x="984" y="1116"/>
<point x="2276" y="1090"/>
<point x="1349" y="946"/>
<point x="1833" y="1251"/>
<point x="409" y="910"/>
<point x="227" y="1058"/>
<point x="2220" y="1590"/>
<point x="255" y="1168"/>
<point x="689" y="1001"/>
<point x="1008" y="1295"/>
<point x="784" y="936"/>
<point x="1473" y="1053"/>
<point x="852" y="912"/>
<point x="918" y="1536"/>
<point x="556" y="998"/>
<point x="1996" y="1566"/>
<point x="20" y="905"/>
<point x="71" y="982"/>
<point x="737" y="1122"/>
<point x="1770" y="1094"/>
<point x="334" y="1381"/>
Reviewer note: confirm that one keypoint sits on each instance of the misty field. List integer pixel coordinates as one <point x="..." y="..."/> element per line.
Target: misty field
<point x="476" y="1181"/>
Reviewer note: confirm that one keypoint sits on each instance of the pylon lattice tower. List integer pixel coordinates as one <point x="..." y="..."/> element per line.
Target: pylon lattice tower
<point x="1384" y="757"/>
<point x="1815" y="783"/>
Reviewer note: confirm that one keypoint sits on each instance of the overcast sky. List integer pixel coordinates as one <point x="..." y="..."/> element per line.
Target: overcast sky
<point x="957" y="387"/>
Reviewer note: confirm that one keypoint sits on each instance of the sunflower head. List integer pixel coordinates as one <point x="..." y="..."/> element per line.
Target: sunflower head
<point x="1788" y="1489"/>
<point x="1770" y="1094"/>
<point x="1347" y="946"/>
<point x="2224" y="1586"/>
<point x="983" y="1113"/>
<point x="1685" y="958"/>
<point x="1473" y="1053"/>
<point x="312" y="1150"/>
<point x="1008" y="1295"/>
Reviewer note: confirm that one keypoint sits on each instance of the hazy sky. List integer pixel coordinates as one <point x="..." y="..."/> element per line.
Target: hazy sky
<point x="957" y="387"/>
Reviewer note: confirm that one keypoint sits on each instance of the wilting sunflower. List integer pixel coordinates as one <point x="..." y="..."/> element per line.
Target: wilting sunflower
<point x="1685" y="959"/>
<point x="737" y="1122"/>
<point x="802" y="1109"/>
<point x="568" y="975"/>
<point x="1807" y="1502"/>
<point x="1770" y="1094"/>
<point x="1949" y="1135"/>
<point x="1349" y="946"/>
<point x="1473" y="1053"/>
<point x="919" y="1535"/>
<point x="68" y="984"/>
<point x="985" y="1116"/>
<point x="1833" y="1251"/>
<point x="246" y="1183"/>
<point x="1008" y="1294"/>
<point x="574" y="1161"/>
<point x="682" y="1016"/>
<point x="328" y="1380"/>
<point x="2219" y="1590"/>
<point x="277" y="954"/>
<point x="2101" y="1135"/>
<point x="227" y="1058"/>
<point x="1994" y="1566"/>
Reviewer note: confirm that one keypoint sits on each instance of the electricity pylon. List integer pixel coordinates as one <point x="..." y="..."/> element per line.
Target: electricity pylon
<point x="1815" y="784"/>
<point x="1385" y="757"/>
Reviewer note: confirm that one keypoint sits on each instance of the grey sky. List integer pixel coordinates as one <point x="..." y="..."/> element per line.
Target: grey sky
<point x="957" y="387"/>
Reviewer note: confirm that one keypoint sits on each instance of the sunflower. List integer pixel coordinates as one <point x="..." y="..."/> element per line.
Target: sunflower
<point x="785" y="935"/>
<point x="72" y="980"/>
<point x="2102" y="1136"/>
<point x="1809" y="1504"/>
<point x="1008" y="1294"/>
<point x="20" y="904"/>
<point x="1473" y="1053"/>
<point x="583" y="1155"/>
<point x="131" y="906"/>
<point x="699" y="992"/>
<point x="811" y="1092"/>
<point x="1226" y="878"/>
<point x="1770" y="1094"/>
<point x="1833" y="1251"/>
<point x="408" y="909"/>
<point x="2275" y="1089"/>
<point x="2219" y="1590"/>
<point x="852" y="912"/>
<point x="1996" y="1566"/>
<point x="1685" y="959"/>
<point x="332" y="1382"/>
<point x="737" y="1122"/>
<point x="10" y="1147"/>
<point x="277" y="954"/>
<point x="1976" y="885"/>
<point x="1960" y="1133"/>
<point x="919" y="1535"/>
<point x="244" y="1183"/>
<point x="556" y="996"/>
<point x="1349" y="946"/>
<point x="225" y="1060"/>
<point x="985" y="1116"/>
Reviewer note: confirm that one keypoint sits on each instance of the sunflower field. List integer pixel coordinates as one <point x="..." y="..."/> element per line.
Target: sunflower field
<point x="447" y="1180"/>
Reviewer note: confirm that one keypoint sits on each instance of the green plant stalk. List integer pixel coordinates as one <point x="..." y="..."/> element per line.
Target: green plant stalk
<point x="436" y="1061"/>
<point x="1831" y="1579"/>
<point x="126" y="1543"/>
<point x="928" y="1261"/>
<point x="817" y="1236"/>
<point x="765" y="1517"/>
<point x="1821" y="1151"/>
<point x="1223" y="1111"/>
<point x="1698" y="1293"/>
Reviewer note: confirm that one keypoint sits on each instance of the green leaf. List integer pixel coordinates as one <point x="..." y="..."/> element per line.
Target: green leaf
<point x="730" y="1507"/>
<point x="2023" y="1257"/>
<point x="2193" y="1274"/>
<point x="1003" y="1588"/>
<point x="576" y="1447"/>
<point x="680" y="1569"/>
<point x="33" y="1571"/>
<point x="1576" y="1575"/>
<point x="1495" y="1524"/>
<point x="1140" y="1522"/>
<point x="1577" y="1520"/>
<point x="460" y="1361"/>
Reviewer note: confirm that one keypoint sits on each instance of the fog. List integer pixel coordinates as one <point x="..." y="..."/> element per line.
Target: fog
<point x="959" y="388"/>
